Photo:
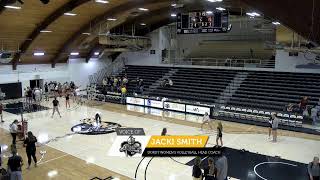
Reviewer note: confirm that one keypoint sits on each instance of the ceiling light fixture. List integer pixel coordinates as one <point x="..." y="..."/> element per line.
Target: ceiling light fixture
<point x="45" y="31"/>
<point x="96" y="53"/>
<point x="253" y="14"/>
<point x="276" y="23"/>
<point x="143" y="9"/>
<point x="209" y="12"/>
<point x="111" y="19"/>
<point x="143" y="24"/>
<point x="214" y="0"/>
<point x="173" y="15"/>
<point x="85" y="33"/>
<point x="12" y="7"/>
<point x="74" y="54"/>
<point x="38" y="54"/>
<point x="173" y="5"/>
<point x="220" y="9"/>
<point x="70" y="14"/>
<point x="102" y="1"/>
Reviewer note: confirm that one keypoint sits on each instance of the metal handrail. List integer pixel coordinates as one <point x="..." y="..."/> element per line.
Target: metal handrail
<point x="223" y="62"/>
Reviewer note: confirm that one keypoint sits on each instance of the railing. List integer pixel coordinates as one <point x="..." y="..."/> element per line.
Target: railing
<point x="111" y="69"/>
<point x="248" y="63"/>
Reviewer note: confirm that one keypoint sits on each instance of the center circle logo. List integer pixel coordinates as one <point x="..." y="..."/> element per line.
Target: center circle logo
<point x="90" y="127"/>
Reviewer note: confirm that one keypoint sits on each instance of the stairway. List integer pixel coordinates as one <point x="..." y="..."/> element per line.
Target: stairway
<point x="156" y="84"/>
<point x="231" y="88"/>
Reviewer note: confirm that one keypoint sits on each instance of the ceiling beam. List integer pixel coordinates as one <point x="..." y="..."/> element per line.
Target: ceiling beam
<point x="155" y="25"/>
<point x="94" y="24"/>
<point x="43" y="25"/>
<point x="141" y="31"/>
<point x="294" y="14"/>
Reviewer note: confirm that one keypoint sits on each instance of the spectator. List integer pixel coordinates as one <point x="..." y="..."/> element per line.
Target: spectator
<point x="314" y="169"/>
<point x="46" y="92"/>
<point x="290" y="108"/>
<point x="67" y="100"/>
<point x="115" y="83"/>
<point x="303" y="104"/>
<point x="125" y="81"/>
<point x="14" y="165"/>
<point x="196" y="170"/>
<point x="72" y="85"/>
<point x="123" y="94"/>
<point x="163" y="83"/>
<point x="104" y="84"/>
<point x="119" y="84"/>
<point x="170" y="82"/>
<point x="141" y="85"/>
<point x="109" y="82"/>
<point x="222" y="168"/>
<point x="206" y="120"/>
<point x="137" y="84"/>
<point x="77" y="95"/>
<point x="30" y="144"/>
<point x="275" y="125"/>
<point x="29" y="95"/>
<point x="219" y="134"/>
<point x="1" y="109"/>
<point x="210" y="171"/>
<point x="37" y="95"/>
<point x="315" y="115"/>
<point x="14" y="130"/>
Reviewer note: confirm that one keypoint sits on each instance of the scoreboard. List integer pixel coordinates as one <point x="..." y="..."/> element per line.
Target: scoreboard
<point x="202" y="22"/>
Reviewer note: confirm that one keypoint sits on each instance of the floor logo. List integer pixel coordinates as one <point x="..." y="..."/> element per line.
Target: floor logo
<point x="131" y="147"/>
<point x="90" y="127"/>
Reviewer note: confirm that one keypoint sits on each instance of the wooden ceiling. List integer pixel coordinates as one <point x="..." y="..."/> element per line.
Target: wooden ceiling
<point x="20" y="29"/>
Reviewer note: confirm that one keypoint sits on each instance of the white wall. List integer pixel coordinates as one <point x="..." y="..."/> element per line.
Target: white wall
<point x="287" y="63"/>
<point x="76" y="70"/>
<point x="80" y="71"/>
<point x="144" y="57"/>
<point x="25" y="73"/>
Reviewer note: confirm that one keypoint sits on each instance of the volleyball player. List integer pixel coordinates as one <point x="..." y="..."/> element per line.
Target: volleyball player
<point x="219" y="134"/>
<point x="206" y="120"/>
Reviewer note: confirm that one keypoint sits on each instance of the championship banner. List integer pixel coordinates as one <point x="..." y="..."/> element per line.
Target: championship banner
<point x="131" y="142"/>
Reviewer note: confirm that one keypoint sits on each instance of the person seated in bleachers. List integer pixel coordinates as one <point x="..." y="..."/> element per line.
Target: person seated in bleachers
<point x="141" y="85"/>
<point x="290" y="109"/>
<point x="119" y="83"/>
<point x="170" y="82"/>
<point x="115" y="83"/>
<point x="137" y="81"/>
<point x="104" y="83"/>
<point x="303" y="104"/>
<point x="125" y="81"/>
<point x="163" y="83"/>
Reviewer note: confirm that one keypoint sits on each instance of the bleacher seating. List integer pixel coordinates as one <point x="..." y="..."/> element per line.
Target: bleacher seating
<point x="273" y="91"/>
<point x="259" y="94"/>
<point x="197" y="85"/>
<point x="149" y="74"/>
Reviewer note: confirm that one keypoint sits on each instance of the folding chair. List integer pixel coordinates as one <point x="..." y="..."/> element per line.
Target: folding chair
<point x="243" y="114"/>
<point x="292" y="120"/>
<point x="266" y="116"/>
<point x="237" y="113"/>
<point x="250" y="114"/>
<point x="255" y="114"/>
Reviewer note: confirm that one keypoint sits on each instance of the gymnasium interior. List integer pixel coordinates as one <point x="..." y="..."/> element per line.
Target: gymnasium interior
<point x="159" y="89"/>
